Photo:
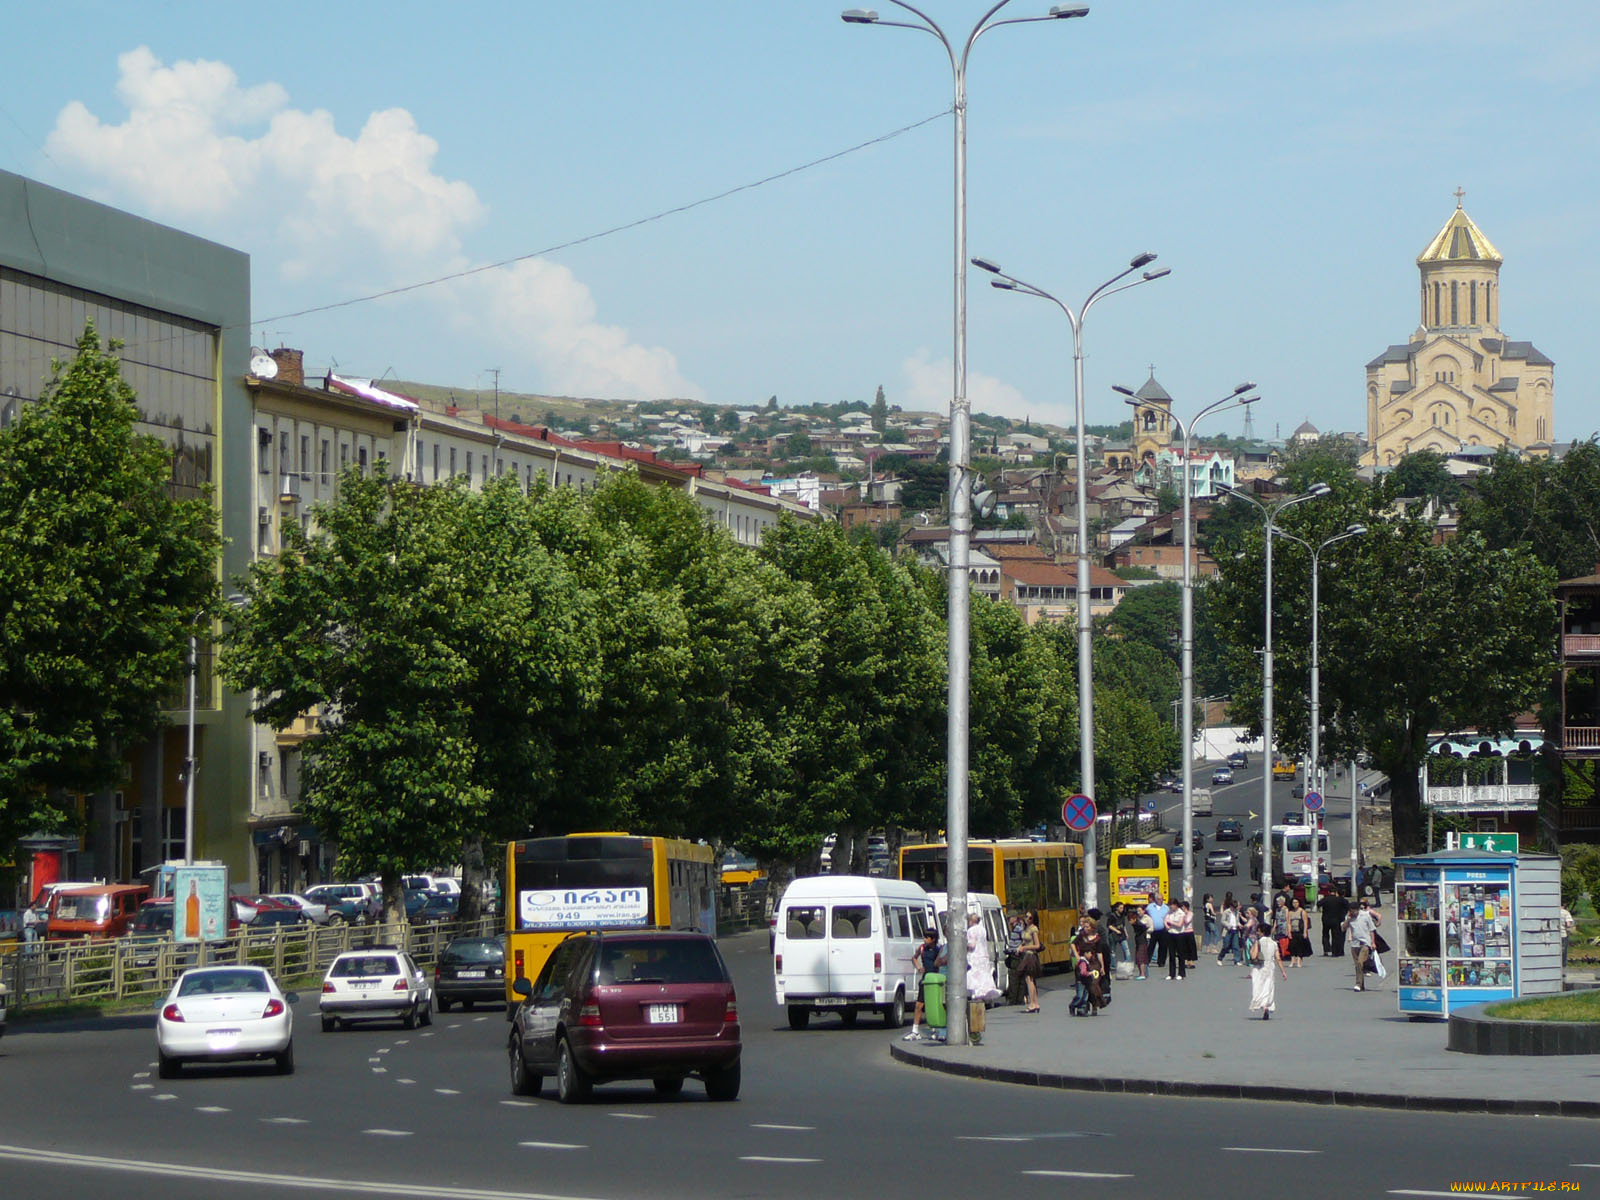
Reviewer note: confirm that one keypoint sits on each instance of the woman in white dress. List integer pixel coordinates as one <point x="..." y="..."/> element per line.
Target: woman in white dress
<point x="1263" y="956"/>
<point x="980" y="975"/>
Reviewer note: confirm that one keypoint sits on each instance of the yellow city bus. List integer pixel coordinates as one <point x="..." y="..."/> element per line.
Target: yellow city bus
<point x="1138" y="873"/>
<point x="558" y="886"/>
<point x="1047" y="876"/>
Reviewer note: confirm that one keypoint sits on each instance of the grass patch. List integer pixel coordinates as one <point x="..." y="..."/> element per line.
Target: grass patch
<point x="1569" y="1006"/>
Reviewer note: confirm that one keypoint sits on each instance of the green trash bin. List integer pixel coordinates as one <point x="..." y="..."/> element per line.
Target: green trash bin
<point x="933" y="1000"/>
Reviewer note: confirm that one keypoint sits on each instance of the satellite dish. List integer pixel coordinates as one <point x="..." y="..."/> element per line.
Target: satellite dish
<point x="263" y="366"/>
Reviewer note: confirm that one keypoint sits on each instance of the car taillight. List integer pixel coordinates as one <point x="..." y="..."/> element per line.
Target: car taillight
<point x="520" y="973"/>
<point x="274" y="1007"/>
<point x="171" y="1013"/>
<point x="327" y="986"/>
<point x="730" y="1015"/>
<point x="400" y="985"/>
<point x="877" y="962"/>
<point x="777" y="963"/>
<point x="436" y="974"/>
<point x="589" y="1011"/>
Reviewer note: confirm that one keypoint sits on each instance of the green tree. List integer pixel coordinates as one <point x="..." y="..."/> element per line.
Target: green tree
<point x="1150" y="616"/>
<point x="1168" y="499"/>
<point x="103" y="575"/>
<point x="798" y="445"/>
<point x="880" y="411"/>
<point x="1551" y="506"/>
<point x="1423" y="475"/>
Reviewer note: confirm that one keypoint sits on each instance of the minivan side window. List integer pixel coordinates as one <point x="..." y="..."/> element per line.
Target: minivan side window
<point x="902" y="921"/>
<point x="919" y="922"/>
<point x="852" y="920"/>
<point x="806" y="921"/>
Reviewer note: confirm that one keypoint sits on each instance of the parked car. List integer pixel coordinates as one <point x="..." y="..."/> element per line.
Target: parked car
<point x="1238" y="760"/>
<point x="1222" y="862"/>
<point x="96" y="912"/>
<point x="316" y="913"/>
<point x="271" y="912"/>
<point x="1229" y="830"/>
<point x="348" y="903"/>
<point x="647" y="1005"/>
<point x="373" y="984"/>
<point x="441" y="906"/>
<point x="471" y="970"/>
<point x="1221" y="776"/>
<point x="224" y="1014"/>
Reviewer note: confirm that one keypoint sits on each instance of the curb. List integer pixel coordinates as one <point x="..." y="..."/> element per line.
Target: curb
<point x="1250" y="1091"/>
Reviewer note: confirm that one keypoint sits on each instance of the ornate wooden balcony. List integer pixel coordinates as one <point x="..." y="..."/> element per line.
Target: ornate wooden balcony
<point x="1578" y="646"/>
<point x="1581" y="741"/>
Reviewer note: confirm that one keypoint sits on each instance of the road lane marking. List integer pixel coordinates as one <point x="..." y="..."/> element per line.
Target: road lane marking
<point x="1267" y="1150"/>
<point x="553" y="1145"/>
<point x="384" y="1050"/>
<point x="372" y="1060"/>
<point x="519" y="1103"/>
<point x="164" y="1096"/>
<point x="447" y="1091"/>
<point x="1080" y="1174"/>
<point x="388" y="1132"/>
<point x="141" y="1087"/>
<point x="402" y="1041"/>
<point x="296" y="1182"/>
<point x="380" y="1070"/>
<point x="978" y="1137"/>
<point x="285" y="1120"/>
<point x="632" y="1116"/>
<point x="787" y="1128"/>
<point x="141" y="1074"/>
<point x="211" y="1108"/>
<point x="773" y="1158"/>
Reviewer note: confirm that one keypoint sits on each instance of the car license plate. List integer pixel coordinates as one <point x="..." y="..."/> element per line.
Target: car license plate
<point x="469" y="974"/>
<point x="828" y="1001"/>
<point x="364" y="983"/>
<point x="663" y="1014"/>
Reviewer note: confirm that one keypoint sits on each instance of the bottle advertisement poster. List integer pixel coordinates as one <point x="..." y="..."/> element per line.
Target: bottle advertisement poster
<point x="199" y="903"/>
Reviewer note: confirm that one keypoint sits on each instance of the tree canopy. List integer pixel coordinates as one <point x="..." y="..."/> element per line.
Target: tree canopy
<point x="103" y="575"/>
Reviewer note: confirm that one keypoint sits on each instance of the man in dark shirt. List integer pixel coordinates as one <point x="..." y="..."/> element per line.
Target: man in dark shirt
<point x="1333" y="908"/>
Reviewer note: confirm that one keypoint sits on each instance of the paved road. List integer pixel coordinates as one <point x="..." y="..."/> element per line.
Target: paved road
<point x="825" y="1112"/>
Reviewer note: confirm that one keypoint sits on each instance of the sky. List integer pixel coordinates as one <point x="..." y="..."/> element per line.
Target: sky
<point x="680" y="188"/>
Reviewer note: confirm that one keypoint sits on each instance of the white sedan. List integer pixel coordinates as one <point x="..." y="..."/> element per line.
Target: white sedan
<point x="224" y="1014"/>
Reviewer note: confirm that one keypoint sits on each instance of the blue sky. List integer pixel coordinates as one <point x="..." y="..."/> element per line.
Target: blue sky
<point x="1288" y="161"/>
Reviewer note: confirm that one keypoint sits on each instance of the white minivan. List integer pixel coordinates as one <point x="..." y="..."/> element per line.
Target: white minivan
<point x="846" y="944"/>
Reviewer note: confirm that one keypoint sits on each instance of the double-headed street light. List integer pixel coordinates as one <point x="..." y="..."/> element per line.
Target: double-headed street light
<point x="1270" y="513"/>
<point x="1009" y="283"/>
<point x="958" y="582"/>
<point x="1351" y="531"/>
<point x="1234" y="399"/>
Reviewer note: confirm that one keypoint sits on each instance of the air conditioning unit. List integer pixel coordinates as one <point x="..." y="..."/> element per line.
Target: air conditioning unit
<point x="263" y="518"/>
<point x="289" y="489"/>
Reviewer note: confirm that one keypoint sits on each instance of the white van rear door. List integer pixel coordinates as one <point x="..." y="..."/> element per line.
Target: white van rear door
<point x="804" y="948"/>
<point x="851" y="946"/>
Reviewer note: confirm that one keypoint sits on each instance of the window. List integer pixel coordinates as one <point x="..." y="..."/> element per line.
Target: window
<point x="325" y="467"/>
<point x="285" y="463"/>
<point x="361" y="459"/>
<point x="264" y="451"/>
<point x="852" y="921"/>
<point x="452" y="462"/>
<point x="436" y="462"/>
<point x="344" y="455"/>
<point x="305" y="456"/>
<point x="805" y="922"/>
<point x="902" y="922"/>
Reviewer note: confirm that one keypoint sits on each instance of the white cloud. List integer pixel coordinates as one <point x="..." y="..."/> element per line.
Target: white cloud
<point x="929" y="384"/>
<point x="345" y="213"/>
<point x="542" y="309"/>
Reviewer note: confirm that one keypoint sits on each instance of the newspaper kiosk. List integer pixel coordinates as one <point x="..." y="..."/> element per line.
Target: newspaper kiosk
<point x="1466" y="933"/>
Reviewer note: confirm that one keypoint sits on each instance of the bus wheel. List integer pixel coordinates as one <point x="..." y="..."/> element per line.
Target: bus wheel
<point x="799" y="1016"/>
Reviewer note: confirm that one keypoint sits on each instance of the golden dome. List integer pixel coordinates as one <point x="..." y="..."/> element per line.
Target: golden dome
<point x="1460" y="241"/>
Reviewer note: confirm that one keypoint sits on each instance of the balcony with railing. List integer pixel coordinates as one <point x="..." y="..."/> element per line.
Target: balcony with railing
<point x="1581" y="741"/>
<point x="1498" y="797"/>
<point x="1579" y="646"/>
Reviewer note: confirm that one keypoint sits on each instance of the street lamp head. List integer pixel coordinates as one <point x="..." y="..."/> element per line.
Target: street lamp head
<point x="1355" y="530"/>
<point x="1005" y="285"/>
<point x="983" y="264"/>
<point x="1162" y="273"/>
<point x="1065" y="12"/>
<point x="858" y="16"/>
<point x="1318" y="489"/>
<point x="1243" y="388"/>
<point x="1142" y="260"/>
<point x="1120" y="390"/>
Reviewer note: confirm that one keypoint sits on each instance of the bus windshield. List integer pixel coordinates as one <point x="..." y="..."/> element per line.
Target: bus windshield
<point x="927" y="867"/>
<point x="583" y="883"/>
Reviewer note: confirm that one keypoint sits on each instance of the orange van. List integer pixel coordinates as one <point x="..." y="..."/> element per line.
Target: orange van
<point x="97" y="912"/>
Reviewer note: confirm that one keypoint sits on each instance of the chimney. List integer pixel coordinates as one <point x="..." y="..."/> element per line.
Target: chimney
<point x="291" y="365"/>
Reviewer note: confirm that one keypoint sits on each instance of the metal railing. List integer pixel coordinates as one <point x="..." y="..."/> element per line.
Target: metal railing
<point x="133" y="968"/>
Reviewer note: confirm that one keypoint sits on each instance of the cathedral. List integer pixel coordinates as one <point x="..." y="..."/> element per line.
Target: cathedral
<point x="1459" y="381"/>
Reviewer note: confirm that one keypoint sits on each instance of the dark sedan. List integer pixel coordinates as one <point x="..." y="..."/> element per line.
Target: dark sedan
<point x="1229" y="830"/>
<point x="439" y="906"/>
<point x="471" y="970"/>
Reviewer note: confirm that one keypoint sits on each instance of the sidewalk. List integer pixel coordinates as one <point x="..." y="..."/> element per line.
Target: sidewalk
<point x="1326" y="1044"/>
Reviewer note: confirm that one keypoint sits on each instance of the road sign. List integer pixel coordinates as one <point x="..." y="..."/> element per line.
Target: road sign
<point x="1313" y="801"/>
<point x="1078" y="813"/>
<point x="1501" y="843"/>
<point x="1150" y="804"/>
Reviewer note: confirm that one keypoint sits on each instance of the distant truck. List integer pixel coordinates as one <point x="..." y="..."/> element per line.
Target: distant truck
<point x="1200" y="802"/>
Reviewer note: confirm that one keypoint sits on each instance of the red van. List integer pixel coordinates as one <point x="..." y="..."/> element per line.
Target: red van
<point x="98" y="912"/>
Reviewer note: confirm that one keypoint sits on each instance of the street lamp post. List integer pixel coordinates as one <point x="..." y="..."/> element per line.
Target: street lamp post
<point x="1234" y="399"/>
<point x="958" y="582"/>
<point x="191" y="764"/>
<point x="1009" y="283"/>
<point x="1270" y="513"/>
<point x="1351" y="531"/>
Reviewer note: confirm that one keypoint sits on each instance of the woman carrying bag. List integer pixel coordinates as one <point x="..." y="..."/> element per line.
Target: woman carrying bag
<point x="1030" y="949"/>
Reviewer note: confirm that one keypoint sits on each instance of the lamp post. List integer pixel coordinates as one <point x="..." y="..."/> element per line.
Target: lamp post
<point x="1270" y="513"/>
<point x="191" y="764"/>
<point x="958" y="582"/>
<point x="1009" y="283"/>
<point x="1234" y="399"/>
<point x="1351" y="531"/>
